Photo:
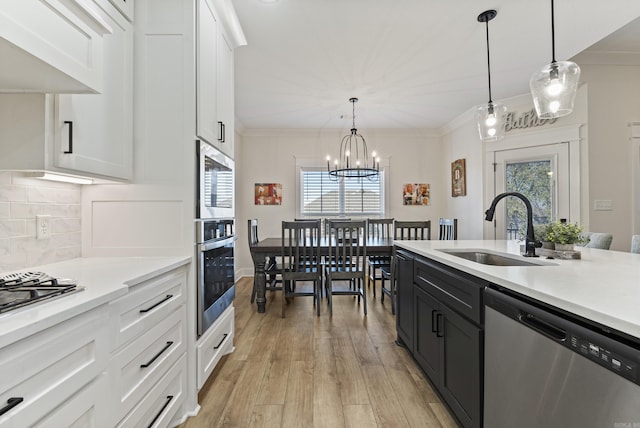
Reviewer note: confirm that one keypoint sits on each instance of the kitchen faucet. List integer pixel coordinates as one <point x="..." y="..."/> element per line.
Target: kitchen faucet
<point x="530" y="241"/>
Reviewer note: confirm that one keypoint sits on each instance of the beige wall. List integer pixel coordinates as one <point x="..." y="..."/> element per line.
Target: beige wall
<point x="269" y="156"/>
<point x="614" y="102"/>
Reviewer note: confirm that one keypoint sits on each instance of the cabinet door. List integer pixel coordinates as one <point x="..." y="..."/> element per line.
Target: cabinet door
<point x="426" y="341"/>
<point x="225" y="96"/>
<point x="93" y="132"/>
<point x="207" y="32"/>
<point x="405" y="300"/>
<point x="462" y="363"/>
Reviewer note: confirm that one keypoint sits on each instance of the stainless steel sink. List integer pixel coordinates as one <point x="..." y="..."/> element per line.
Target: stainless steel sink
<point x="494" y="259"/>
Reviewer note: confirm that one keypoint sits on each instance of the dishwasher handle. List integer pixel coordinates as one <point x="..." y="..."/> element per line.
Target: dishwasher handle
<point x="543" y="327"/>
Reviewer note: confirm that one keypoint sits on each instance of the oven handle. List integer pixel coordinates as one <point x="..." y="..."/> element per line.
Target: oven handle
<point x="216" y="243"/>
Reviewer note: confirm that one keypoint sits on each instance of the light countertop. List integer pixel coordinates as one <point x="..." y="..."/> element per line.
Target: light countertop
<point x="603" y="286"/>
<point x="103" y="279"/>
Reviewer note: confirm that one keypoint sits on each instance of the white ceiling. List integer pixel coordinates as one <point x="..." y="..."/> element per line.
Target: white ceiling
<point x="412" y="63"/>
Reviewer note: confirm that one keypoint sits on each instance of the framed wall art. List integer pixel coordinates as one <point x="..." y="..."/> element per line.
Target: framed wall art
<point x="458" y="178"/>
<point x="415" y="194"/>
<point x="268" y="194"/>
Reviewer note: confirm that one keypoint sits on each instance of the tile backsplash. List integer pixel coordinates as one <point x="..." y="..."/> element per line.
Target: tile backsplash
<point x="21" y="199"/>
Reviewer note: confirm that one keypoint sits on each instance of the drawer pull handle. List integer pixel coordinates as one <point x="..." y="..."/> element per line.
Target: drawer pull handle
<point x="220" y="344"/>
<point x="142" y="311"/>
<point x="144" y="366"/>
<point x="438" y="318"/>
<point x="169" y="398"/>
<point x="70" y="147"/>
<point x="11" y="403"/>
<point x="433" y="320"/>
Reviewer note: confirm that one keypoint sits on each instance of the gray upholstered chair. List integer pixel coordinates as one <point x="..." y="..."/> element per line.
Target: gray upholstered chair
<point x="598" y="240"/>
<point x="635" y="244"/>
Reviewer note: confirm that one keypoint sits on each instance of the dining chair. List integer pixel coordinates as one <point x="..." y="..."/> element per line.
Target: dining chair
<point x="402" y="230"/>
<point x="635" y="244"/>
<point x="345" y="263"/>
<point x="448" y="229"/>
<point x="597" y="240"/>
<point x="301" y="260"/>
<point x="272" y="270"/>
<point x="377" y="228"/>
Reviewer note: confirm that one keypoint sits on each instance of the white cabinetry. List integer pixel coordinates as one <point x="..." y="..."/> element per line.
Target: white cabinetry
<point x="56" y="374"/>
<point x="147" y="369"/>
<point x="51" y="46"/>
<point x="81" y="134"/>
<point x="214" y="80"/>
<point x="93" y="133"/>
<point x="215" y="343"/>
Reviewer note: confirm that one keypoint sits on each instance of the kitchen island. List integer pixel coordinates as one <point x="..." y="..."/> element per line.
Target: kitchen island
<point x="603" y="286"/>
<point x="578" y="341"/>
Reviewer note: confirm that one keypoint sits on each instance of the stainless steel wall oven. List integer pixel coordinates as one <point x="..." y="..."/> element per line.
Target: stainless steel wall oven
<point x="215" y="183"/>
<point x="215" y="241"/>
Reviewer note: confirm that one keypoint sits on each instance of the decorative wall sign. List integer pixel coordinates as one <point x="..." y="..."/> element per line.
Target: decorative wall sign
<point x="268" y="194"/>
<point x="458" y="178"/>
<point x="526" y="120"/>
<point x="415" y="194"/>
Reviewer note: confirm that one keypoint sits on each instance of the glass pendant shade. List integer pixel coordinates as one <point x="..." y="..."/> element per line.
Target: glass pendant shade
<point x="490" y="121"/>
<point x="554" y="87"/>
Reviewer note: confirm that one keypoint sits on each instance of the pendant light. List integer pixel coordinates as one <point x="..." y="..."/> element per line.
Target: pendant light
<point x="353" y="158"/>
<point x="554" y="87"/>
<point x="490" y="117"/>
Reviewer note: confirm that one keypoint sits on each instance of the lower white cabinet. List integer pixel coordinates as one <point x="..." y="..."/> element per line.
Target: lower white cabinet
<point x="137" y="367"/>
<point x="159" y="406"/>
<point x="147" y="367"/>
<point x="213" y="344"/>
<point x="44" y="373"/>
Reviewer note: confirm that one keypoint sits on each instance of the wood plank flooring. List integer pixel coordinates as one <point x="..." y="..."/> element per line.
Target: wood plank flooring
<point x="309" y="371"/>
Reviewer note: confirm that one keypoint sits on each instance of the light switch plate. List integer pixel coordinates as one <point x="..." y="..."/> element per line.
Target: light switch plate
<point x="603" y="205"/>
<point x="43" y="226"/>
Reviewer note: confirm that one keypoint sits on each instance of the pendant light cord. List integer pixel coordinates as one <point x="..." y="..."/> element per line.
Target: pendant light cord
<point x="489" y="59"/>
<point x="553" y="36"/>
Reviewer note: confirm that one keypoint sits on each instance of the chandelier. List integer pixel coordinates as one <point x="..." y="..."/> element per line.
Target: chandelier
<point x="353" y="158"/>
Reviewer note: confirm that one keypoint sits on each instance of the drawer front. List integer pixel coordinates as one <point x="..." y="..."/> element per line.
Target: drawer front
<point x="458" y="290"/>
<point x="137" y="367"/>
<point x="215" y="343"/>
<point x="147" y="304"/>
<point x="47" y="368"/>
<point x="87" y="408"/>
<point x="162" y="403"/>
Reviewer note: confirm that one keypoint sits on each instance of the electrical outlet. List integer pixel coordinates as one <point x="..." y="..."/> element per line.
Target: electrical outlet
<point x="43" y="226"/>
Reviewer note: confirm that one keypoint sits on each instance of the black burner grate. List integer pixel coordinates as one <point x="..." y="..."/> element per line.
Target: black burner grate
<point x="24" y="288"/>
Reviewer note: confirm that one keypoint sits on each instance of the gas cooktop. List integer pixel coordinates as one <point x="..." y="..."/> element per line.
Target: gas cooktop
<point x="25" y="288"/>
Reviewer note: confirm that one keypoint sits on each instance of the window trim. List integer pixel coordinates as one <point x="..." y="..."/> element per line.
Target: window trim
<point x="317" y="164"/>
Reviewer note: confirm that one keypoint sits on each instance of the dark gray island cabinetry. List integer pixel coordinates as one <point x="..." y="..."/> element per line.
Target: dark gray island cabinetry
<point x="440" y="317"/>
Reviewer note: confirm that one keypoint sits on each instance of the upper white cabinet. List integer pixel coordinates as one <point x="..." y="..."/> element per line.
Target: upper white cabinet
<point x="125" y="7"/>
<point x="81" y="134"/>
<point x="214" y="74"/>
<point x="94" y="133"/>
<point x="226" y="112"/>
<point x="51" y="46"/>
<point x="207" y="31"/>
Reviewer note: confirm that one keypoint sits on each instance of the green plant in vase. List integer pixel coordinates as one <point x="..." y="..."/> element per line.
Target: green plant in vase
<point x="542" y="233"/>
<point x="565" y="235"/>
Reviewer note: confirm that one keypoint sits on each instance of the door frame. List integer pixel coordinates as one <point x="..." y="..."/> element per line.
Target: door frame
<point x="565" y="134"/>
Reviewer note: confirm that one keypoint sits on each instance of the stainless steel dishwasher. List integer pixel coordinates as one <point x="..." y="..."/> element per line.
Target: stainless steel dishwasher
<point x="544" y="369"/>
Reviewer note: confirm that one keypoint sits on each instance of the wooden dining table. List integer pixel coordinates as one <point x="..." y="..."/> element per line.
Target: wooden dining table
<point x="272" y="247"/>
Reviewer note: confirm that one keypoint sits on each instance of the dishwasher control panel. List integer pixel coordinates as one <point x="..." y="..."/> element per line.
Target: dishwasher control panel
<point x="600" y="354"/>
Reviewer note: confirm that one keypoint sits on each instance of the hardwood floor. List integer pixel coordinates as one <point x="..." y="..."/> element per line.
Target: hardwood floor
<point x="309" y="371"/>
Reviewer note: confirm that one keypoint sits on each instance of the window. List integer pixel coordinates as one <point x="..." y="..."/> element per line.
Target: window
<point x="322" y="196"/>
